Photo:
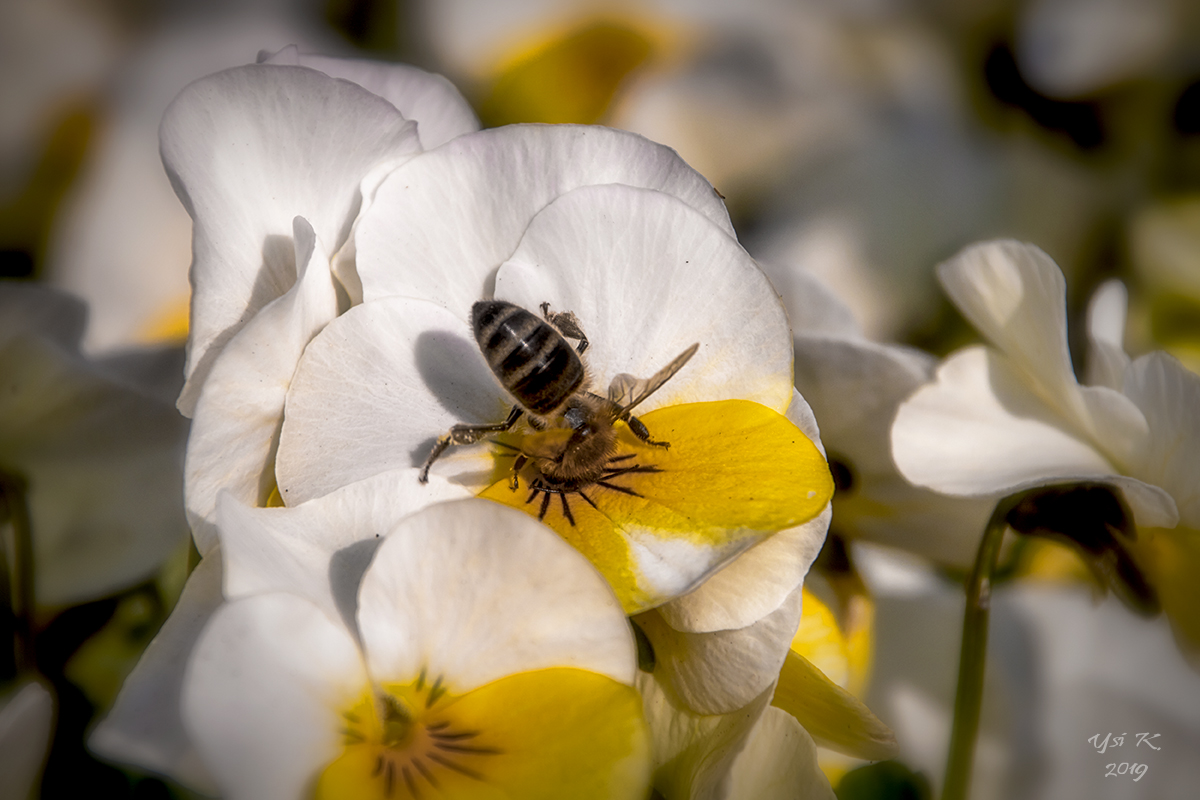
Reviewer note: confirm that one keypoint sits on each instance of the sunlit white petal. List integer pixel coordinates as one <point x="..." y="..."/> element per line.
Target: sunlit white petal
<point x="237" y="419"/>
<point x="264" y="708"/>
<point x="443" y="222"/>
<point x="422" y="600"/>
<point x="231" y="143"/>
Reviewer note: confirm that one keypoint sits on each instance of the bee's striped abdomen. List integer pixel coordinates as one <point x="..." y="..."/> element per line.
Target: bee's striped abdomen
<point x="533" y="361"/>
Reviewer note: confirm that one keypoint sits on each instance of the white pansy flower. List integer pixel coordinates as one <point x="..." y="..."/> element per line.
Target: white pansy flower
<point x="100" y="457"/>
<point x="854" y="386"/>
<point x="1013" y="416"/>
<point x="332" y="538"/>
<point x="275" y="162"/>
<point x="621" y="233"/>
<point x="453" y="674"/>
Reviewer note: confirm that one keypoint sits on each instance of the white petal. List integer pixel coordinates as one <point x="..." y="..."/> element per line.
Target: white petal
<point x="443" y="222"/>
<point x="26" y="722"/>
<point x="694" y="754"/>
<point x="779" y="762"/>
<point x="102" y="462"/>
<point x="237" y="419"/>
<point x="27" y="308"/>
<point x="319" y="549"/>
<point x="754" y="584"/>
<point x="145" y="725"/>
<point x="434" y="103"/>
<point x="977" y="430"/>
<point x="264" y="693"/>
<point x="121" y="238"/>
<point x="1106" y="361"/>
<point x="472" y="591"/>
<point x="1016" y="296"/>
<point x="375" y="390"/>
<point x="801" y="414"/>
<point x="647" y="276"/>
<point x="1070" y="48"/>
<point x="248" y="150"/>
<point x="813" y="308"/>
<point x="1169" y="396"/>
<point x="854" y="388"/>
<point x="889" y="510"/>
<point x="722" y="671"/>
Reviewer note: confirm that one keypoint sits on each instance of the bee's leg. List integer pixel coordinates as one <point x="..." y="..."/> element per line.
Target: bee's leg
<point x="641" y="431"/>
<point x="518" y="462"/>
<point x="466" y="434"/>
<point x="568" y="325"/>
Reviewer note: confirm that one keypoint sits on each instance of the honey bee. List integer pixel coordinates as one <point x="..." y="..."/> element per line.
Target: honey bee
<point x="545" y="375"/>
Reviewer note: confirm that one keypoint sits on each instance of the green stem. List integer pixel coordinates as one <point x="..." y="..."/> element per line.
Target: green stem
<point x="13" y="499"/>
<point x="973" y="656"/>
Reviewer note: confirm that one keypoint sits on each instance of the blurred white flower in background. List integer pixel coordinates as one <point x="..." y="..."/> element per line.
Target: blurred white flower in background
<point x="26" y="725"/>
<point x="121" y="240"/>
<point x="855" y="385"/>
<point x="1071" y="48"/>
<point x="1013" y="416"/>
<point x="101" y="456"/>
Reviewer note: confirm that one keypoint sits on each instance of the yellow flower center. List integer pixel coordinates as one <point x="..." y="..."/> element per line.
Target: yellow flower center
<point x="400" y="741"/>
<point x="542" y="734"/>
<point x="734" y="473"/>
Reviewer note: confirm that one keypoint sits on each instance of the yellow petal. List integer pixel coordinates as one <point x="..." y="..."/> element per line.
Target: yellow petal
<point x="1171" y="559"/>
<point x="545" y="734"/>
<point x="735" y="472"/>
<point x="841" y="649"/>
<point x="833" y="717"/>
<point x="569" y="79"/>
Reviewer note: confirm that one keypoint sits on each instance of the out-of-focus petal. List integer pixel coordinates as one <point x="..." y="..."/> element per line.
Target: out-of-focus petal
<point x="878" y="377"/>
<point x="27" y="308"/>
<point x="1016" y="296"/>
<point x="1070" y="48"/>
<point x="779" y="762"/>
<point x="421" y="601"/>
<point x="1106" y="358"/>
<point x="441" y="224"/>
<point x="231" y="143"/>
<point x="26" y="722"/>
<point x="835" y="718"/>
<point x="145" y="725"/>
<point x="977" y="430"/>
<point x="1169" y="396"/>
<point x="102" y="462"/>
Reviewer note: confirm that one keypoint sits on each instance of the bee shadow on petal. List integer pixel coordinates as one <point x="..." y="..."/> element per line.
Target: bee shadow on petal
<point x="346" y="568"/>
<point x="459" y="380"/>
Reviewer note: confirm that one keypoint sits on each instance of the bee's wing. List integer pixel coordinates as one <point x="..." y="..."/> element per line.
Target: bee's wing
<point x="627" y="391"/>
